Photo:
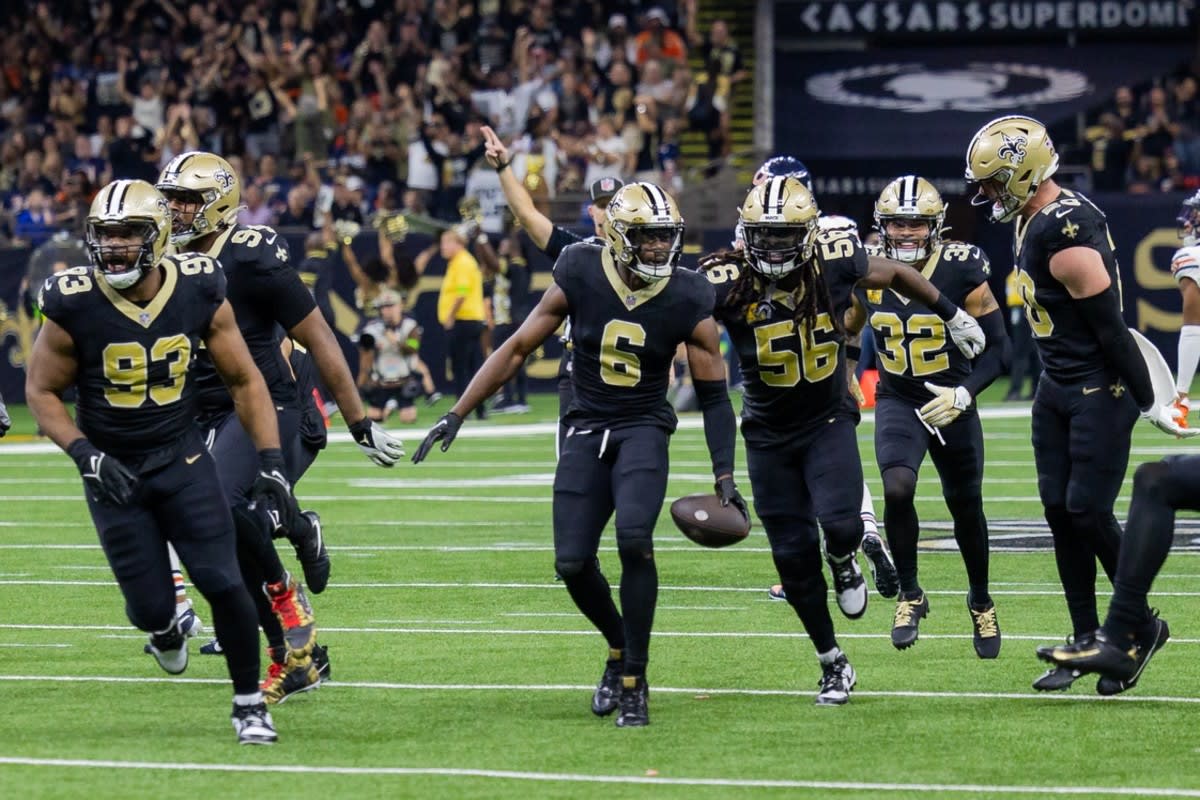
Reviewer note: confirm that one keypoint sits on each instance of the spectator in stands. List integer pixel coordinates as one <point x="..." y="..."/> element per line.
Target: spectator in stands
<point x="657" y="40"/>
<point x="35" y="223"/>
<point x="256" y="212"/>
<point x="1159" y="129"/>
<point x="299" y="210"/>
<point x="1112" y="150"/>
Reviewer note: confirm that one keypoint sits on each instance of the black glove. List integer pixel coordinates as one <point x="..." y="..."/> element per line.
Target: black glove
<point x="107" y="480"/>
<point x="727" y="491"/>
<point x="5" y="421"/>
<point x="273" y="489"/>
<point x="445" y="430"/>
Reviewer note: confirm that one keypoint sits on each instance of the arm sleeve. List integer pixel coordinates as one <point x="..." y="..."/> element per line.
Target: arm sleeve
<point x="1102" y="312"/>
<point x="720" y="428"/>
<point x="560" y="238"/>
<point x="996" y="355"/>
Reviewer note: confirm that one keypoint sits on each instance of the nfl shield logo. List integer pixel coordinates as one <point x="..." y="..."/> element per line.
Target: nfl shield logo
<point x="144" y="318"/>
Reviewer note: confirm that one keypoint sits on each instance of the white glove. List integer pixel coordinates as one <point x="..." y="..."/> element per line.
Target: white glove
<point x="946" y="405"/>
<point x="966" y="333"/>
<point x="379" y="445"/>
<point x="1166" y="418"/>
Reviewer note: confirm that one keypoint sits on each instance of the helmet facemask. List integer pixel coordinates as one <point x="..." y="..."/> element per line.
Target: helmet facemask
<point x="122" y="252"/>
<point x="1005" y="204"/>
<point x="778" y="248"/>
<point x="187" y="213"/>
<point x="651" y="252"/>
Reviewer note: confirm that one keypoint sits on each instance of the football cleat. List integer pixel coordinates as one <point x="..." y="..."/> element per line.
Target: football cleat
<point x="607" y="696"/>
<point x="906" y="625"/>
<point x="211" y="648"/>
<point x="170" y="649"/>
<point x="879" y="560"/>
<point x="254" y="724"/>
<point x="320" y="657"/>
<point x="1096" y="653"/>
<point x="776" y="592"/>
<point x="291" y="676"/>
<point x="311" y="553"/>
<point x="1059" y="677"/>
<point x="1056" y="679"/>
<point x="986" y="629"/>
<point x="837" y="680"/>
<point x="290" y="604"/>
<point x="1149" y="643"/>
<point x="189" y="624"/>
<point x="633" y="703"/>
<point x="849" y="586"/>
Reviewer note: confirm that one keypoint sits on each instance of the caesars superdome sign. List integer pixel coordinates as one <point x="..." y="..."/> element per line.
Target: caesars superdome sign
<point x="943" y="17"/>
<point x="917" y="88"/>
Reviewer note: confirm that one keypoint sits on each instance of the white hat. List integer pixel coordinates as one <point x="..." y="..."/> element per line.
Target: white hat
<point x="658" y="14"/>
<point x="618" y="21"/>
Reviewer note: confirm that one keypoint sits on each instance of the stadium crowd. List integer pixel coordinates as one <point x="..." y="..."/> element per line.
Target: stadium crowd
<point x="342" y="110"/>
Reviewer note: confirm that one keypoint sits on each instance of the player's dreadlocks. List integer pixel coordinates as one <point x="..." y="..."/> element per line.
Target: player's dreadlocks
<point x="810" y="294"/>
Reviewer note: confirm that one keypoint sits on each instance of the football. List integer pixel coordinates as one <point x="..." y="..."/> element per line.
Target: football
<point x="705" y="521"/>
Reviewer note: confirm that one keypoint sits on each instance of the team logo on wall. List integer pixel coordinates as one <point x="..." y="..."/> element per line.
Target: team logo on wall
<point x="918" y="89"/>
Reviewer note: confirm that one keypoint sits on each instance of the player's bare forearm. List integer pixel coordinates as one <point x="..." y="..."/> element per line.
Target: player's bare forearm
<point x="536" y="224"/>
<point x="52" y="368"/>
<point x="884" y="273"/>
<point x="503" y="364"/>
<point x="314" y="333"/>
<point x="235" y="365"/>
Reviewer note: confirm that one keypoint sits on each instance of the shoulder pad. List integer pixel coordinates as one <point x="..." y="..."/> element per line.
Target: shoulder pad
<point x="261" y="244"/>
<point x="1186" y="263"/>
<point x="65" y="291"/>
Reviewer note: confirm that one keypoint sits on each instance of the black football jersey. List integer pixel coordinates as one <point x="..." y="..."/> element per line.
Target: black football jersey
<point x="135" y="382"/>
<point x="624" y="340"/>
<point x="1069" y="350"/>
<point x="793" y="382"/>
<point x="266" y="292"/>
<point x="911" y="342"/>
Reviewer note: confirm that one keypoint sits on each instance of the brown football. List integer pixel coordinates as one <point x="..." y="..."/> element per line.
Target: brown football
<point x="705" y="521"/>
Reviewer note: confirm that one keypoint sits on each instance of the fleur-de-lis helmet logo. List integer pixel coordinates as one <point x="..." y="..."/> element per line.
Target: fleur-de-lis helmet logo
<point x="223" y="178"/>
<point x="1013" y="149"/>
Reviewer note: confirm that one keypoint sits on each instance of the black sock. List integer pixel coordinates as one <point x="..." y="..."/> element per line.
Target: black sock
<point x="233" y="620"/>
<point x="1076" y="570"/>
<point x="592" y="595"/>
<point x="971" y="534"/>
<point x="639" y="596"/>
<point x="901" y="524"/>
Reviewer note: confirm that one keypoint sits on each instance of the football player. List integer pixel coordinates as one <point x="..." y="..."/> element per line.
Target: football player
<point x="267" y="295"/>
<point x="1185" y="266"/>
<point x="915" y="360"/>
<point x="5" y="421"/>
<point x="1095" y="380"/>
<point x="883" y="570"/>
<point x="782" y="300"/>
<point x="125" y="332"/>
<point x="630" y="308"/>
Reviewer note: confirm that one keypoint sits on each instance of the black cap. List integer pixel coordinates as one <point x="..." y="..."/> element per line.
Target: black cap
<point x="603" y="189"/>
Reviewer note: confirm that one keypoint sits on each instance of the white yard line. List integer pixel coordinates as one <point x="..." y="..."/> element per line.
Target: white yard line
<point x="583" y="778"/>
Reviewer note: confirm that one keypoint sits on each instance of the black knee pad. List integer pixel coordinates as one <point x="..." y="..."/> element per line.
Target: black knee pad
<point x="151" y="613"/>
<point x="568" y="569"/>
<point x="842" y="536"/>
<point x="899" y="485"/>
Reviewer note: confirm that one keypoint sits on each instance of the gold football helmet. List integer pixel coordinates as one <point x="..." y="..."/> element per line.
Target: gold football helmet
<point x="207" y="189"/>
<point x="780" y="220"/>
<point x="1011" y="156"/>
<point x="910" y="199"/>
<point x="644" y="230"/>
<point x="127" y="231"/>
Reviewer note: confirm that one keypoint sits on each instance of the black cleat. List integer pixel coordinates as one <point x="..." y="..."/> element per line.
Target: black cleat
<point x="986" y="632"/>
<point x="909" y="613"/>
<point x="1150" y="642"/>
<point x="320" y="657"/>
<point x="606" y="698"/>
<point x="1096" y="653"/>
<point x="883" y="571"/>
<point x="837" y="680"/>
<point x="311" y="553"/>
<point x="1059" y="677"/>
<point x="635" y="695"/>
<point x="253" y="724"/>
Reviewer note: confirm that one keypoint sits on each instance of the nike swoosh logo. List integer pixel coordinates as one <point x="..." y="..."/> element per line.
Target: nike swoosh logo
<point x="1079" y="655"/>
<point x="1091" y="389"/>
<point x="1062" y="213"/>
<point x="192" y="459"/>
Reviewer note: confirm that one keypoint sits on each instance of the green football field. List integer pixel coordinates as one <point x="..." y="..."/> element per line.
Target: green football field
<point x="461" y="669"/>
